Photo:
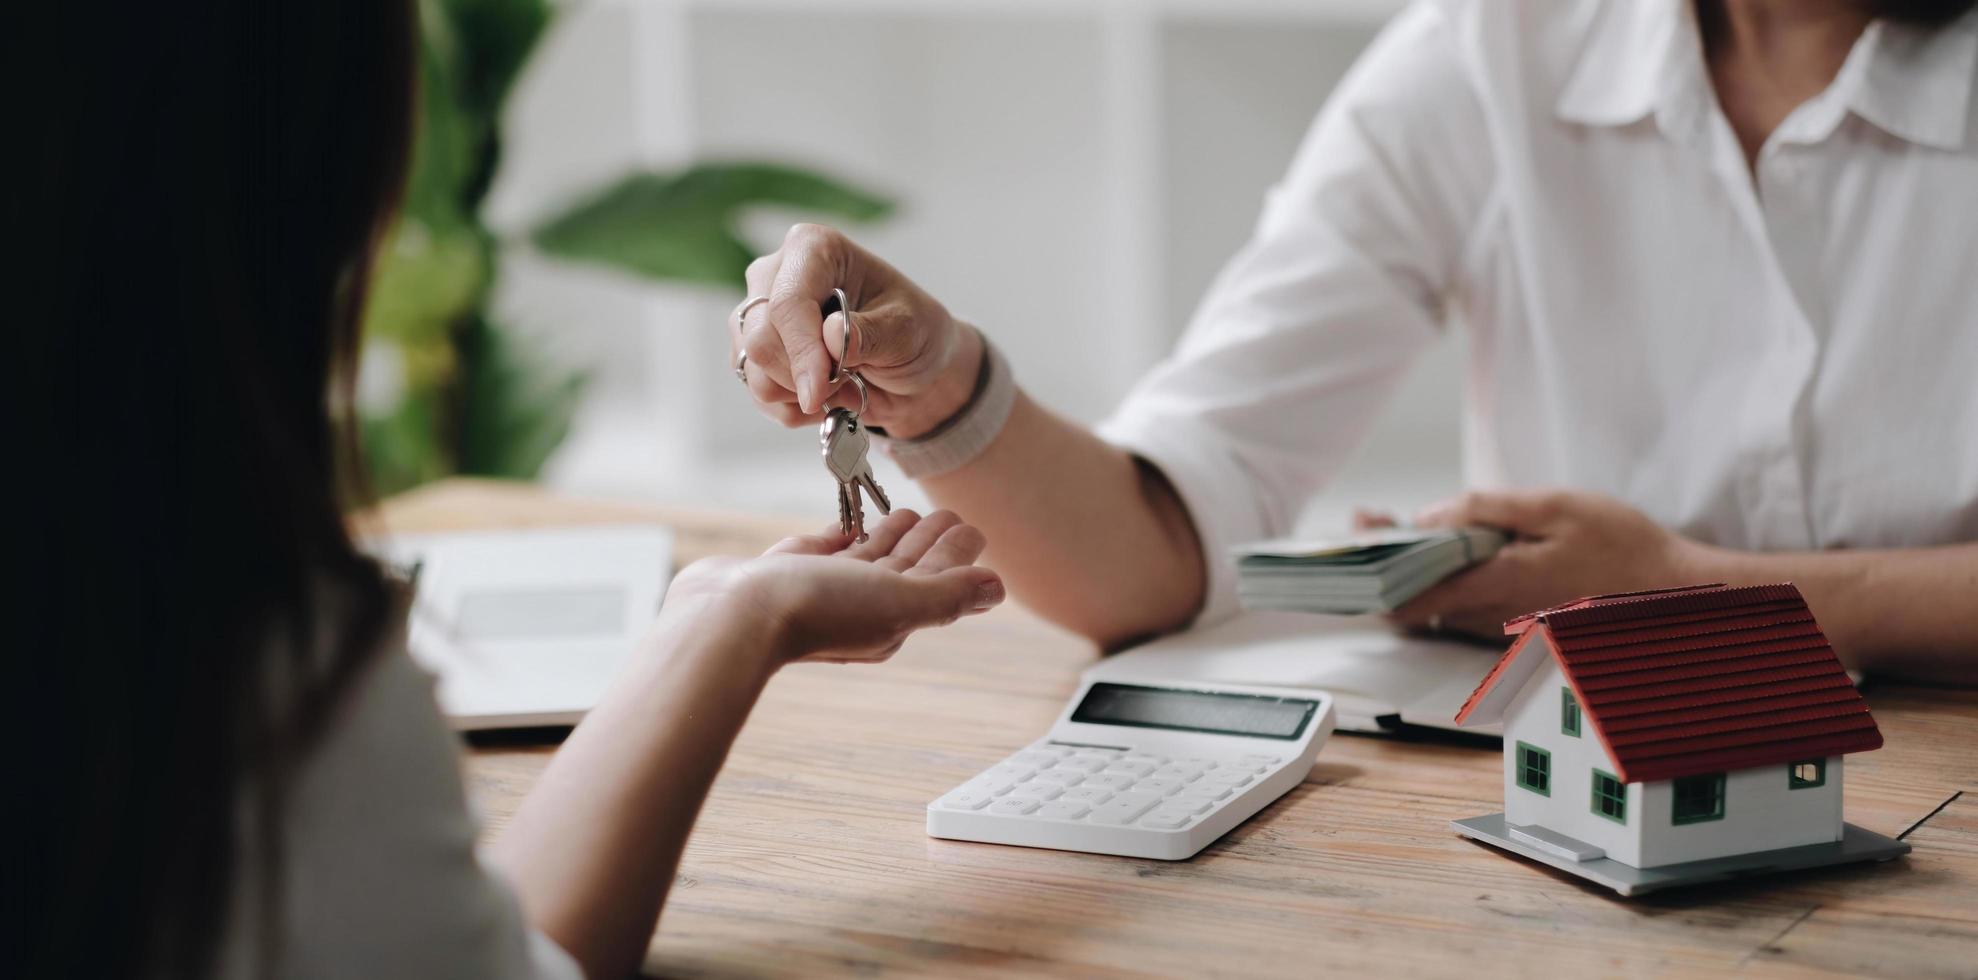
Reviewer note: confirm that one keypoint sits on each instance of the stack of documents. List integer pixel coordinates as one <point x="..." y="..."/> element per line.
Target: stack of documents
<point x="1371" y="572"/>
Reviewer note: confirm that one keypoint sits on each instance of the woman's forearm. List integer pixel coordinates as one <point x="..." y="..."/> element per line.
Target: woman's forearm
<point x="1911" y="612"/>
<point x="593" y="849"/>
<point x="1086" y="536"/>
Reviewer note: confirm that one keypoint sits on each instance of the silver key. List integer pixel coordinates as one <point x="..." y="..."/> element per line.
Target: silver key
<point x="845" y="447"/>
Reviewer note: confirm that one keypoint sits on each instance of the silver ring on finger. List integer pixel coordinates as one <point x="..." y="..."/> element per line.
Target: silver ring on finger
<point x="742" y="311"/>
<point x="741" y="323"/>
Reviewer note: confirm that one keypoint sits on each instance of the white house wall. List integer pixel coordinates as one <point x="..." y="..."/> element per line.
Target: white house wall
<point x="1761" y="813"/>
<point x="1533" y="717"/>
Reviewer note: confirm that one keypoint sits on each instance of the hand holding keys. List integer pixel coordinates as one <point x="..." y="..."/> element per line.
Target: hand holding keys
<point x="845" y="446"/>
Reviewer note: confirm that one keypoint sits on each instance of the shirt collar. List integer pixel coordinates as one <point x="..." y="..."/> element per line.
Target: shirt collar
<point x="1645" y="57"/>
<point x="1915" y="83"/>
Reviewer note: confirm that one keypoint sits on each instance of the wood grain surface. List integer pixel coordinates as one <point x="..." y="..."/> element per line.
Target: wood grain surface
<point x="811" y="856"/>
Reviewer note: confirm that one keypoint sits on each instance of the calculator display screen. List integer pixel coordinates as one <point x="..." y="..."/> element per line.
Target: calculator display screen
<point x="1252" y="715"/>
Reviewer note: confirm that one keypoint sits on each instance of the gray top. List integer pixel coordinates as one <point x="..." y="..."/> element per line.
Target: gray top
<point x="382" y="878"/>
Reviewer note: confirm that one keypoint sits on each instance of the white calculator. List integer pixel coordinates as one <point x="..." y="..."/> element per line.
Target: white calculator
<point x="1143" y="770"/>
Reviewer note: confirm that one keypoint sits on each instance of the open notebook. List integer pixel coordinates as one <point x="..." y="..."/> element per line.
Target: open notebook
<point x="1380" y="680"/>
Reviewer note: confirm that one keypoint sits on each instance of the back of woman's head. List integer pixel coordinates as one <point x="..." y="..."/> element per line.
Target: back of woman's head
<point x="203" y="186"/>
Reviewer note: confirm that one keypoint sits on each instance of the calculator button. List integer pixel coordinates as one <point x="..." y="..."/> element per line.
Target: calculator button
<point x="992" y="785"/>
<point x="1261" y="760"/>
<point x="1094" y="795"/>
<point x="1063" y="777"/>
<point x="1165" y="821"/>
<point x="1180" y="774"/>
<point x="1101" y="756"/>
<point x="1110" y="780"/>
<point x="1147" y="757"/>
<point x="1205" y="791"/>
<point x="1198" y="761"/>
<point x="1064" y="810"/>
<point x="1134" y="769"/>
<point x="1014" y="806"/>
<point x="1153" y="785"/>
<point x="1084" y="763"/>
<point x="1040" y="790"/>
<point x="966" y="799"/>
<point x="1033" y="759"/>
<point x="1183" y="804"/>
<point x="1231" y="778"/>
<point x="1011" y="771"/>
<point x="1122" y="810"/>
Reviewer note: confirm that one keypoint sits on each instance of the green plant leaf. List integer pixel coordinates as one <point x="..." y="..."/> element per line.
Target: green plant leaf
<point x="446" y="138"/>
<point x="423" y="283"/>
<point x="403" y="449"/>
<point x="682" y="226"/>
<point x="495" y="38"/>
<point x="515" y="410"/>
<point x="492" y="40"/>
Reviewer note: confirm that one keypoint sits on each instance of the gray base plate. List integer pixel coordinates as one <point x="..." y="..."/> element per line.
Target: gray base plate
<point x="1855" y="844"/>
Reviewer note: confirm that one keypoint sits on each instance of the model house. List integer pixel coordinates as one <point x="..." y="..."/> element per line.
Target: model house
<point x="1665" y="728"/>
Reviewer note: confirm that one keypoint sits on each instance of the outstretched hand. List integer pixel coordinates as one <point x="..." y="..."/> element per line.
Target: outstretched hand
<point x="826" y="597"/>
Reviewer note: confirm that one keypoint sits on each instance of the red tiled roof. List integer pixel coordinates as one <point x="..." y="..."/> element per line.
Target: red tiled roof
<point x="1681" y="682"/>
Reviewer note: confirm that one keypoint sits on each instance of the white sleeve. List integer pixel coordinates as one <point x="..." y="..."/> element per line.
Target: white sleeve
<point x="1313" y="323"/>
<point x="382" y="878"/>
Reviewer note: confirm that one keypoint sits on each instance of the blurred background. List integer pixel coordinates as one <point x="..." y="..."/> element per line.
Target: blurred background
<point x="592" y="175"/>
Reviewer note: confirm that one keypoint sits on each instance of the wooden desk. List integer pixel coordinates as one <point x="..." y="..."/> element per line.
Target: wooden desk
<point x="811" y="856"/>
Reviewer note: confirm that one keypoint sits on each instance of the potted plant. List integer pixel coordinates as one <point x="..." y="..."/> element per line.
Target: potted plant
<point x="445" y="389"/>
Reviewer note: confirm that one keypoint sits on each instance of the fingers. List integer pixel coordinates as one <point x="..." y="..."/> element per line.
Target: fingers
<point x="1474" y="600"/>
<point x="881" y="537"/>
<point x="1526" y="513"/>
<point x="916" y="542"/>
<point x="957" y="546"/>
<point x="827" y="542"/>
<point x="753" y="335"/>
<point x="813" y="264"/>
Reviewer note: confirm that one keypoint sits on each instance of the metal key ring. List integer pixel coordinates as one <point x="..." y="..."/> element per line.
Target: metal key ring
<point x="859" y="383"/>
<point x="838" y="370"/>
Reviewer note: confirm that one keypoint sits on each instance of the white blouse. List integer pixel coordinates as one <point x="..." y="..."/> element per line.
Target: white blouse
<point x="1780" y="361"/>
<point x="381" y="877"/>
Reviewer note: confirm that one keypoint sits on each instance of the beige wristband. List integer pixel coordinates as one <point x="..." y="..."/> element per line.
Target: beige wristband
<point x="964" y="435"/>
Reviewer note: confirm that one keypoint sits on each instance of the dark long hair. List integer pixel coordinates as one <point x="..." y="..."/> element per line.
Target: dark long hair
<point x="203" y="185"/>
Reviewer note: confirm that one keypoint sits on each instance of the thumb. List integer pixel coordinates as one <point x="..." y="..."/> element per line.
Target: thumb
<point x="947" y="596"/>
<point x="1524" y="513"/>
<point x="1365" y="519"/>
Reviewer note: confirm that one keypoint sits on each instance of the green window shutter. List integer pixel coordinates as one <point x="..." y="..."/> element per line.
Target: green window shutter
<point x="1569" y="712"/>
<point x="1698" y="799"/>
<point x="1534" y="769"/>
<point x="1610" y="797"/>
<point x="1806" y="775"/>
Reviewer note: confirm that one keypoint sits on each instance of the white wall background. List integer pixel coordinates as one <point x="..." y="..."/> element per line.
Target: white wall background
<point x="1072" y="173"/>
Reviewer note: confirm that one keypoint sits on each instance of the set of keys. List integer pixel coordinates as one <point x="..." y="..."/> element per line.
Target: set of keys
<point x="845" y="444"/>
